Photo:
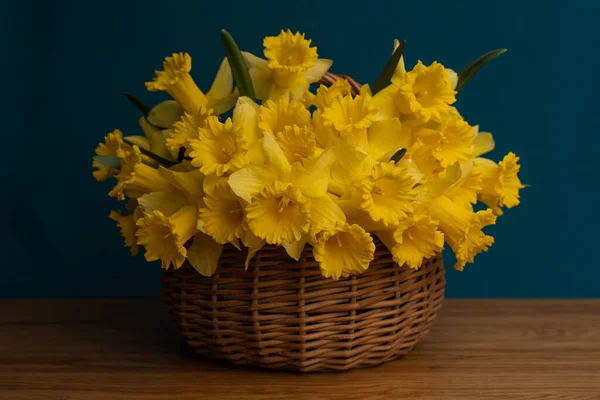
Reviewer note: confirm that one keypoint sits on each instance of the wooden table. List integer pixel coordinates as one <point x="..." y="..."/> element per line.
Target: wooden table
<point x="127" y="349"/>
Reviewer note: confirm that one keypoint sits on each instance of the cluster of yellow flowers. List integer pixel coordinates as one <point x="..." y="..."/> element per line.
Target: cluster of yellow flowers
<point x="330" y="169"/>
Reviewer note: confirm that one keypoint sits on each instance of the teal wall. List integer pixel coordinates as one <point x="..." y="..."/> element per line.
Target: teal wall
<point x="65" y="63"/>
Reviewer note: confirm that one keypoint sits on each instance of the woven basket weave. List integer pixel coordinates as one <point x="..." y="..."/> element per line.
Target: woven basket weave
<point x="284" y="314"/>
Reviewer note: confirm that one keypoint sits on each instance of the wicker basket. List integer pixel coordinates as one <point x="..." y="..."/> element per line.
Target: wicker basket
<point x="284" y="314"/>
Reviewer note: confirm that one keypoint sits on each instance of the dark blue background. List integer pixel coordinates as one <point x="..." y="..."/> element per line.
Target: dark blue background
<point x="65" y="63"/>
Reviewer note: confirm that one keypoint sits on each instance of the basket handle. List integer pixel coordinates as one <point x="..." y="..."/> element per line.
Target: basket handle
<point x="329" y="78"/>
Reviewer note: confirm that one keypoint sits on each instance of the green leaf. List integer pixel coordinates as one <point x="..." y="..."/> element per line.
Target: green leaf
<point x="156" y="157"/>
<point x="469" y="71"/>
<point x="398" y="155"/>
<point x="238" y="66"/>
<point x="387" y="73"/>
<point x="138" y="104"/>
<point x="109" y="161"/>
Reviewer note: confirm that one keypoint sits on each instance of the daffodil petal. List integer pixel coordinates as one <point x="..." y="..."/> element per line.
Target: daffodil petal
<point x="140" y="141"/>
<point x="262" y="80"/>
<point x="313" y="177"/>
<point x="317" y="71"/>
<point x="250" y="180"/>
<point x="245" y="115"/>
<point x="223" y="83"/>
<point x="253" y="61"/>
<point x="325" y="214"/>
<point x="158" y="143"/>
<point x="453" y="77"/>
<point x="350" y="165"/>
<point x="165" y="114"/>
<point x="387" y="238"/>
<point x="385" y="138"/>
<point x="166" y="201"/>
<point x="253" y="243"/>
<point x="224" y="104"/>
<point x="483" y="143"/>
<point x="189" y="183"/>
<point x="294" y="249"/>
<point x="204" y="254"/>
<point x="277" y="159"/>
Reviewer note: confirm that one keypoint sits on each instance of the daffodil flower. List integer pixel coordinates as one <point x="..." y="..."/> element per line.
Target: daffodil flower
<point x="291" y="65"/>
<point x="343" y="250"/>
<point x="425" y="93"/>
<point x="483" y="142"/>
<point x="326" y="94"/>
<point x="276" y="115"/>
<point x="438" y="146"/>
<point x="291" y="125"/>
<point x="136" y="178"/>
<point x="223" y="148"/>
<point x="382" y="191"/>
<point x="188" y="128"/>
<point x="126" y="224"/>
<point x="357" y="121"/>
<point x="164" y="237"/>
<point x="500" y="183"/>
<point x="171" y="220"/>
<point x="220" y="148"/>
<point x="280" y="195"/>
<point x="177" y="81"/>
<point x="413" y="240"/>
<point x="113" y="146"/>
<point x="462" y="229"/>
<point x="223" y="215"/>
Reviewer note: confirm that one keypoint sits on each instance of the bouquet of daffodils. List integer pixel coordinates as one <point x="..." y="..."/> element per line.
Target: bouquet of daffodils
<point x="272" y="162"/>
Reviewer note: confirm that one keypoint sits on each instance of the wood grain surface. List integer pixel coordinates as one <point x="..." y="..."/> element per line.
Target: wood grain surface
<point x="127" y="350"/>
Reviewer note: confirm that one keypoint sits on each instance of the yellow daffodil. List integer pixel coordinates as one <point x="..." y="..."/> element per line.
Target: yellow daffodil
<point x="297" y="143"/>
<point x="483" y="142"/>
<point x="113" y="146"/>
<point x="177" y="81"/>
<point x="435" y="149"/>
<point x="462" y="228"/>
<point x="165" y="114"/>
<point x="164" y="238"/>
<point x="387" y="195"/>
<point x="155" y="141"/>
<point x="414" y="239"/>
<point x="324" y="134"/>
<point x="291" y="66"/>
<point x="126" y="224"/>
<point x="460" y="183"/>
<point x="220" y="148"/>
<point x="276" y="115"/>
<point x="326" y="94"/>
<point x="312" y="178"/>
<point x="172" y="221"/>
<point x="281" y="195"/>
<point x="137" y="178"/>
<point x="358" y="122"/>
<point x="351" y="116"/>
<point x="426" y="92"/>
<point x="464" y="192"/>
<point x="500" y="183"/>
<point x="343" y="250"/>
<point x="278" y="213"/>
<point x="223" y="215"/>
<point x="188" y="128"/>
